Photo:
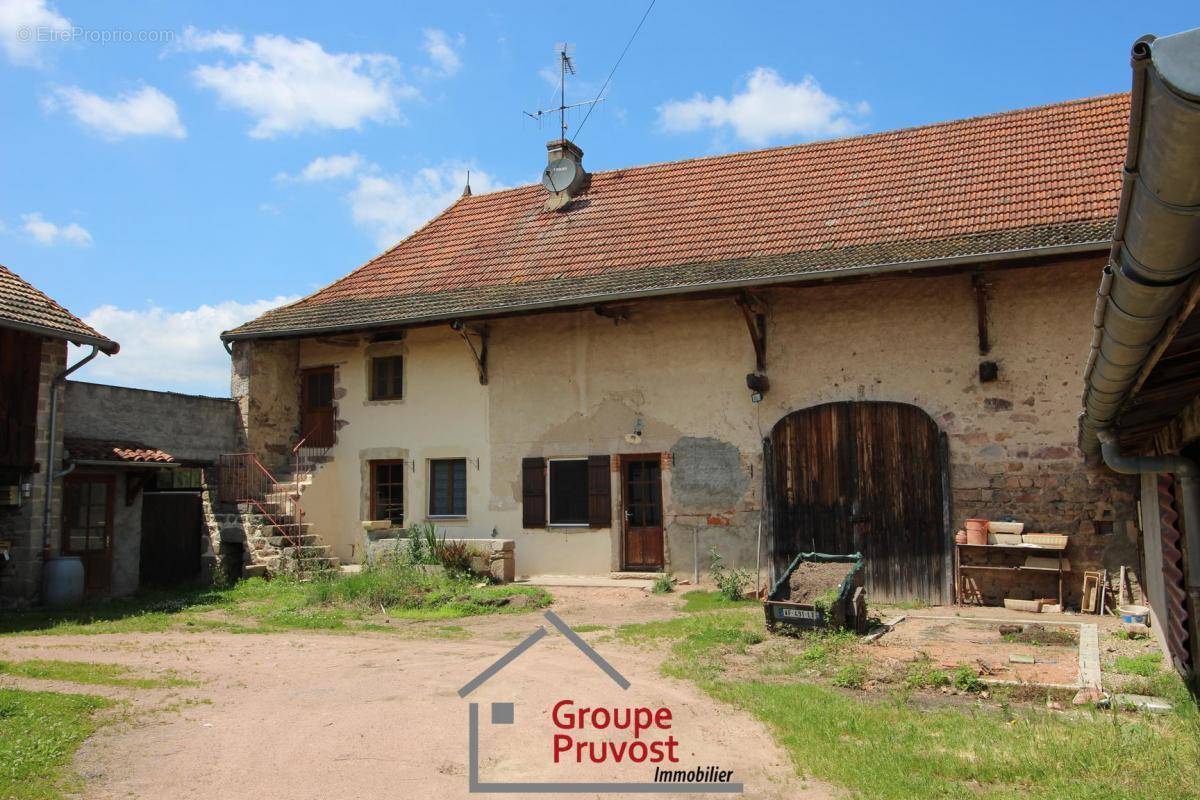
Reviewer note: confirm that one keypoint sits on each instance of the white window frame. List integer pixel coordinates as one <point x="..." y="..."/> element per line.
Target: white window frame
<point x="549" y="522"/>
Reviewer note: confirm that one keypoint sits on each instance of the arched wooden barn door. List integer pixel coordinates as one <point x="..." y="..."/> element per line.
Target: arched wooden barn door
<point x="866" y="477"/>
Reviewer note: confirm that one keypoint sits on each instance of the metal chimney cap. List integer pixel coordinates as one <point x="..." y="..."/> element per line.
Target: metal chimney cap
<point x="1177" y="59"/>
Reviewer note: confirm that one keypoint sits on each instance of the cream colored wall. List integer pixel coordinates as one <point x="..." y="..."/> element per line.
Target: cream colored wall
<point x="575" y="384"/>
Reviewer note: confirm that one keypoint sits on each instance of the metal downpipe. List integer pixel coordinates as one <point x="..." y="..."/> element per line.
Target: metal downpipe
<point x="52" y="474"/>
<point x="1188" y="474"/>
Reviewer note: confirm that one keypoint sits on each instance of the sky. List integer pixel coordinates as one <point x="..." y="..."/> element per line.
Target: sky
<point x="172" y="168"/>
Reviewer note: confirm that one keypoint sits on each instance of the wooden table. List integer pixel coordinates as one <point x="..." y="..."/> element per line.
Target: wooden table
<point x="1057" y="550"/>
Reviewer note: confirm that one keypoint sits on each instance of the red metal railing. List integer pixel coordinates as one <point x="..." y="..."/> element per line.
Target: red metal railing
<point x="242" y="478"/>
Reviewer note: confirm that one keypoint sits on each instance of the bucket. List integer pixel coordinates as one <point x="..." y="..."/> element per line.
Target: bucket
<point x="1139" y="615"/>
<point x="977" y="531"/>
<point x="62" y="582"/>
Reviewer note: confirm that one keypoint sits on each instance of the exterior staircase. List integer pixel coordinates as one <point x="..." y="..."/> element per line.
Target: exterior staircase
<point x="278" y="540"/>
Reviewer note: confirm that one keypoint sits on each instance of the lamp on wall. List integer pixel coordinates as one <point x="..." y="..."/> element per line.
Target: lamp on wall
<point x="636" y="436"/>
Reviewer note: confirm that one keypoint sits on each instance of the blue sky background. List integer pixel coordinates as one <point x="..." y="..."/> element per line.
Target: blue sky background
<point x="158" y="189"/>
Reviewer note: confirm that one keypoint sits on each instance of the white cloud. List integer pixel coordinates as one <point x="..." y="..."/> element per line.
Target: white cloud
<point x="443" y="50"/>
<point x="45" y="232"/>
<point x="174" y="350"/>
<point x="766" y="109"/>
<point x="145" y="112"/>
<point x="198" y="41"/>
<point x="291" y="85"/>
<point x="27" y="25"/>
<point x="393" y="206"/>
<point x="326" y="168"/>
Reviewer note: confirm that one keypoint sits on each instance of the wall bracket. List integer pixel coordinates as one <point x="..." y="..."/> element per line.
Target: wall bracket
<point x="753" y="309"/>
<point x="480" y="353"/>
<point x="980" y="287"/>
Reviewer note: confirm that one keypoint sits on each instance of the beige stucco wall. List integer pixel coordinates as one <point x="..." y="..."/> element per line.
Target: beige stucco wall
<point x="575" y="384"/>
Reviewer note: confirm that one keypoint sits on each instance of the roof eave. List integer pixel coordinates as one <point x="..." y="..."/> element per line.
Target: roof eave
<point x="106" y="346"/>
<point x="1099" y="245"/>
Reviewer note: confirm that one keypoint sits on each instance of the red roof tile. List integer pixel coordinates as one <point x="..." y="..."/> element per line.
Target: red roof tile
<point x="1053" y="168"/>
<point x="24" y="307"/>
<point x="121" y="452"/>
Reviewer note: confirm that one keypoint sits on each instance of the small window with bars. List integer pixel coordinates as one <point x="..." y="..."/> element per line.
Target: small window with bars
<point x="448" y="487"/>
<point x="387" y="491"/>
<point x="387" y="378"/>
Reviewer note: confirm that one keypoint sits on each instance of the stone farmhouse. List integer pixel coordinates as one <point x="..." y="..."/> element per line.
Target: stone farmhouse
<point x="847" y="345"/>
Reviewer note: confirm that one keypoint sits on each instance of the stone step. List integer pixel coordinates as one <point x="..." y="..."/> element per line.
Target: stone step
<point x="307" y="539"/>
<point x="254" y="571"/>
<point x="311" y="551"/>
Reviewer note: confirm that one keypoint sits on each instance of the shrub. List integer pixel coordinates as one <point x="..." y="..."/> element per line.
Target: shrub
<point x="663" y="584"/>
<point x="455" y="556"/>
<point x="731" y="583"/>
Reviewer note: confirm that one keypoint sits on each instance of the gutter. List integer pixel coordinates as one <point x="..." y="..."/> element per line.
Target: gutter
<point x="584" y="301"/>
<point x="106" y="346"/>
<point x="1155" y="251"/>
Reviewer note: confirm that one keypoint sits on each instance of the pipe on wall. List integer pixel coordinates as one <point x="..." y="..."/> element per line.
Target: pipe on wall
<point x="1187" y="472"/>
<point x="52" y="473"/>
<point x="1156" y="244"/>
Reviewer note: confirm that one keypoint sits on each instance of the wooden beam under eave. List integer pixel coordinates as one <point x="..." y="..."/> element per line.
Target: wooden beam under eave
<point x="980" y="287"/>
<point x="756" y="324"/>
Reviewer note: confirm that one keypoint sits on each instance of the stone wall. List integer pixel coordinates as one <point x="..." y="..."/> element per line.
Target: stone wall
<point x="190" y="427"/>
<point x="266" y="387"/>
<point x="21" y="577"/>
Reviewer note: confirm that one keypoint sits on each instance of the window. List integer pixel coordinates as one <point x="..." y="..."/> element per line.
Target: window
<point x="568" y="491"/>
<point x="448" y="487"/>
<point x="387" y="491"/>
<point x="387" y="378"/>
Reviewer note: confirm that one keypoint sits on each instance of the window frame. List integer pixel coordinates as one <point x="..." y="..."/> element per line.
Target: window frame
<point x="429" y="512"/>
<point x="373" y="509"/>
<point x="550" y="523"/>
<point x="372" y="396"/>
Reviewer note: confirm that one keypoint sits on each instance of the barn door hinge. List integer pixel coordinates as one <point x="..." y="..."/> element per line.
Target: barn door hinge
<point x="753" y="309"/>
<point x="480" y="353"/>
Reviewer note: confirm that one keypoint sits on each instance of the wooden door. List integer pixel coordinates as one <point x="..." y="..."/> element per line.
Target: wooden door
<point x="641" y="504"/>
<point x="88" y="527"/>
<point x="868" y="478"/>
<point x="172" y="523"/>
<point x="316" y="406"/>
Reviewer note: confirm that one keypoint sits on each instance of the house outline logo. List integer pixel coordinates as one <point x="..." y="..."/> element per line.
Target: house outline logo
<point x="503" y="713"/>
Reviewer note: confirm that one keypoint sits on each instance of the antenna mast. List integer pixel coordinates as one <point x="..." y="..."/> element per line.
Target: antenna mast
<point x="566" y="65"/>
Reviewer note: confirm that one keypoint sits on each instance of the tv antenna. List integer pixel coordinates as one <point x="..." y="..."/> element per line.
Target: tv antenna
<point x="566" y="65"/>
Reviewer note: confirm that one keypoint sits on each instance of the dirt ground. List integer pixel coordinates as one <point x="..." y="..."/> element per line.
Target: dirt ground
<point x="313" y="715"/>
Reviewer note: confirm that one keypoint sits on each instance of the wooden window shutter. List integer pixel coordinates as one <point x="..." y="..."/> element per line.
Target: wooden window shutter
<point x="533" y="492"/>
<point x="599" y="492"/>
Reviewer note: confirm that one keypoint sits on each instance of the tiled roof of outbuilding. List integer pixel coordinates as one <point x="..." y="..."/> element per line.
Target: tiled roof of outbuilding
<point x="119" y="452"/>
<point x="24" y="307"/>
<point x="1035" y="178"/>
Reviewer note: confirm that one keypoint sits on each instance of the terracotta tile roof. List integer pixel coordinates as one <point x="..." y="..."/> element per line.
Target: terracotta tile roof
<point x="1008" y="181"/>
<point x="24" y="307"/>
<point x="80" y="449"/>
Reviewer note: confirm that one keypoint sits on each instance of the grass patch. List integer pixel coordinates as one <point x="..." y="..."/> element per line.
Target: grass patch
<point x="39" y="733"/>
<point x="903" y="748"/>
<point x="588" y="627"/>
<point x="1144" y="664"/>
<point x="335" y="602"/>
<point x="87" y="673"/>
<point x="698" y="600"/>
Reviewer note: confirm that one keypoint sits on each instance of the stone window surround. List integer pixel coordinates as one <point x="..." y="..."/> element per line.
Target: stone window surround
<point x="365" y="457"/>
<point x="382" y="350"/>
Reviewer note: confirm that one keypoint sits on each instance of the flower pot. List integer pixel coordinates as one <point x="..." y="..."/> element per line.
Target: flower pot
<point x="960" y="537"/>
<point x="977" y="530"/>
